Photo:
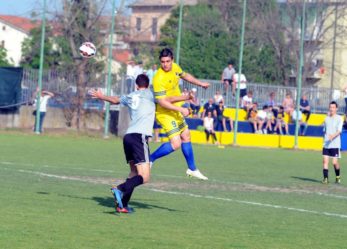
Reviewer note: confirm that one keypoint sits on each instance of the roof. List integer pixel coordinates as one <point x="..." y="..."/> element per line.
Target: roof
<point x="21" y="23"/>
<point x="121" y="55"/>
<point x="149" y="3"/>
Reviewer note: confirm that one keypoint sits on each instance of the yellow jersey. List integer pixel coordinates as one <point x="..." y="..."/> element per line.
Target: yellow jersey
<point x="167" y="84"/>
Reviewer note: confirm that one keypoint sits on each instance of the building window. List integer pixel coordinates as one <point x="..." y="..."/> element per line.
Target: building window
<point x="4" y="28"/>
<point x="154" y="26"/>
<point x="138" y="24"/>
<point x="2" y="44"/>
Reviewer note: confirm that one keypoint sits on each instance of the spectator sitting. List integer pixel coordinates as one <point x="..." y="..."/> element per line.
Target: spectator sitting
<point x="208" y="125"/>
<point x="247" y="101"/>
<point x="261" y="119"/>
<point x="270" y="119"/>
<point x="298" y="116"/>
<point x="252" y="116"/>
<point x="272" y="102"/>
<point x="218" y="97"/>
<point x="288" y="104"/>
<point x="280" y="122"/>
<point x="209" y="107"/>
<point x="305" y="107"/>
<point x="195" y="104"/>
<point x="221" y="119"/>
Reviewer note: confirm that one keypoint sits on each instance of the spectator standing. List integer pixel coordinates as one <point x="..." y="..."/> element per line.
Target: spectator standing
<point x="151" y="72"/>
<point x="227" y="76"/>
<point x="45" y="96"/>
<point x="243" y="84"/>
<point x="218" y="97"/>
<point x="130" y="76"/>
<point x="208" y="125"/>
<point x="332" y="142"/>
<point x="305" y="107"/>
<point x="138" y="69"/>
<point x="288" y="104"/>
<point x="195" y="103"/>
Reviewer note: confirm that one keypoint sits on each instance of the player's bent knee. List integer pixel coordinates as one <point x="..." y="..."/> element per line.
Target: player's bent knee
<point x="176" y="142"/>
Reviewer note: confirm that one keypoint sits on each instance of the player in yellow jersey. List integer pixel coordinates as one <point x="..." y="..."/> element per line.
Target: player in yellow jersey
<point x="171" y="115"/>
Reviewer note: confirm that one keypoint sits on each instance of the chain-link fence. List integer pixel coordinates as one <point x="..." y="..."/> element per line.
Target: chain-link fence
<point x="319" y="98"/>
<point x="64" y="83"/>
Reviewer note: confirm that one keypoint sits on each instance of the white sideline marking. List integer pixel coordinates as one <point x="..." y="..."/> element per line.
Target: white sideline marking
<point x="192" y="195"/>
<point x="178" y="177"/>
<point x="251" y="203"/>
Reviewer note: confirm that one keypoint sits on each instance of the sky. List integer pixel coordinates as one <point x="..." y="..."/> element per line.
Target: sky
<point x="26" y="7"/>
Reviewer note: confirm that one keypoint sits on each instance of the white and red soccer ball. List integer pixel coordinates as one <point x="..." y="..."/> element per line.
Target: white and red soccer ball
<point x="87" y="50"/>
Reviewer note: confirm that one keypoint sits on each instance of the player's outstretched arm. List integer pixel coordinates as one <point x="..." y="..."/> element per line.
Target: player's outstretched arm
<point x="164" y="102"/>
<point x="97" y="94"/>
<point x="174" y="99"/>
<point x="190" y="78"/>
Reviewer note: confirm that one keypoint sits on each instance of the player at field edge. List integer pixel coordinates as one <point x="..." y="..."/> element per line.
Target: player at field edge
<point x="171" y="116"/>
<point x="141" y="108"/>
<point x="332" y="142"/>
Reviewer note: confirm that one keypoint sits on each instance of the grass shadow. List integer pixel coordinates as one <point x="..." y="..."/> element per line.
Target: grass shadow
<point x="305" y="179"/>
<point x="109" y="202"/>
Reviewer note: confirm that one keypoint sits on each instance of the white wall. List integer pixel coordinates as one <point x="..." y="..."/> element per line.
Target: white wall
<point x="13" y="42"/>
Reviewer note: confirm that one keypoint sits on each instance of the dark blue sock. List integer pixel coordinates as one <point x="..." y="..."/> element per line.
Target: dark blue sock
<point x="163" y="150"/>
<point x="187" y="150"/>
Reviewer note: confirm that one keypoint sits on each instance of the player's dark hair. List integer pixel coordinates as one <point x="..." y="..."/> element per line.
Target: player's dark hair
<point x="334" y="103"/>
<point x="142" y="81"/>
<point x="166" y="52"/>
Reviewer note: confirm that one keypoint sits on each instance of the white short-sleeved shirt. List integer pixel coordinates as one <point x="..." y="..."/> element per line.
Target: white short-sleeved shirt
<point x="243" y="80"/>
<point x="208" y="123"/>
<point x="43" y="103"/>
<point x="247" y="100"/>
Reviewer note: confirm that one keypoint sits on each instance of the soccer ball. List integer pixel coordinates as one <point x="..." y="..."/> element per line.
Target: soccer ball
<point x="87" y="50"/>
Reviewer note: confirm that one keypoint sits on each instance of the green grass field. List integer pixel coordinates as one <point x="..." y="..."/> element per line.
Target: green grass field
<point x="54" y="193"/>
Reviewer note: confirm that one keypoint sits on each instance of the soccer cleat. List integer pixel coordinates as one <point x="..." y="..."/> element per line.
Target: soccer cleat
<point x="118" y="195"/>
<point x="325" y="181"/>
<point x="196" y="173"/>
<point x="338" y="180"/>
<point x="124" y="210"/>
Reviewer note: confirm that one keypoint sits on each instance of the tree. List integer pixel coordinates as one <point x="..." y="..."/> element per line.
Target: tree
<point x="31" y="48"/>
<point x="3" y="58"/>
<point x="81" y="23"/>
<point x="205" y="45"/>
<point x="211" y="37"/>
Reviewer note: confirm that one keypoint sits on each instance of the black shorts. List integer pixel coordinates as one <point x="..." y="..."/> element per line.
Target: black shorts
<point x="229" y="81"/>
<point x="332" y="152"/>
<point x="136" y="148"/>
<point x="243" y="92"/>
